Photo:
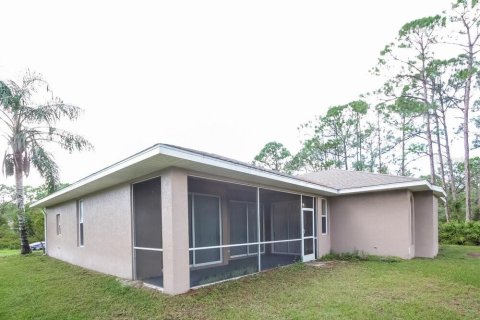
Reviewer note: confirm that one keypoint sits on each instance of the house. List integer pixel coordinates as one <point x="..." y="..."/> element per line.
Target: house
<point x="177" y="218"/>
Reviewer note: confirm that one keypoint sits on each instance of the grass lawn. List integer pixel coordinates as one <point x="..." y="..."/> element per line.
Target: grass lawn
<point x="447" y="287"/>
<point x="8" y="252"/>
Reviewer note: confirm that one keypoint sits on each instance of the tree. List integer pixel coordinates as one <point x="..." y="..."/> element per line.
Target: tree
<point x="413" y="52"/>
<point x="28" y="126"/>
<point x="314" y="156"/>
<point x="404" y="113"/>
<point x="274" y="156"/>
<point x="465" y="20"/>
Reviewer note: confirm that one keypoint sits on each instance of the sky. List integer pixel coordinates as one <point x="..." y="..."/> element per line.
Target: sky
<point x="219" y="76"/>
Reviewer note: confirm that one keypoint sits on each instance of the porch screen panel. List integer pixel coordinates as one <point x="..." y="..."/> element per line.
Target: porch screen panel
<point x="206" y="217"/>
<point x="294" y="227"/>
<point x="252" y="227"/>
<point x="190" y="229"/>
<point x="280" y="227"/>
<point x="238" y="227"/>
<point x="147" y="219"/>
<point x="147" y="205"/>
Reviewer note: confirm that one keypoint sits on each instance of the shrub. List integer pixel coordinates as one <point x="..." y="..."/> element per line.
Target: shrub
<point x="8" y="238"/>
<point x="358" y="256"/>
<point x="462" y="233"/>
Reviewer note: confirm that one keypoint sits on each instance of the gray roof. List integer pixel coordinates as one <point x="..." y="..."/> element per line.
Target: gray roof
<point x="343" y="179"/>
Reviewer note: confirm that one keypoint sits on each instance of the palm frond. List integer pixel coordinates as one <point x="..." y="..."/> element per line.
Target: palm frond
<point x="44" y="162"/>
<point x="8" y="165"/>
<point x="50" y="112"/>
<point x="67" y="140"/>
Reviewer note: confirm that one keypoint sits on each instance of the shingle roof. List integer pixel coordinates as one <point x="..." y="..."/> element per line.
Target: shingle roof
<point x="342" y="179"/>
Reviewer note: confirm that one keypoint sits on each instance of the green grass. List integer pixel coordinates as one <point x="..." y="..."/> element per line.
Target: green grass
<point x="8" y="252"/>
<point x="447" y="287"/>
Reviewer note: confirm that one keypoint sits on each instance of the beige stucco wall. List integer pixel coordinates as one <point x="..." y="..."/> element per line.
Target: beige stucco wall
<point x="426" y="224"/>
<point x="107" y="232"/>
<point x="374" y="223"/>
<point x="176" y="269"/>
<point x="323" y="240"/>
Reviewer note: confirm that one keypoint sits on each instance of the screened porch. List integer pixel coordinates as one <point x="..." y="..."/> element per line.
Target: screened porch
<point x="233" y="230"/>
<point x="236" y="230"/>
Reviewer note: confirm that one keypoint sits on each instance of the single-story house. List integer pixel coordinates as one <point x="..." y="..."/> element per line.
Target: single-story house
<point x="177" y="218"/>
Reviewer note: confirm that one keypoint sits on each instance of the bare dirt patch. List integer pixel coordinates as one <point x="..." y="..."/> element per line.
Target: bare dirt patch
<point x="474" y="254"/>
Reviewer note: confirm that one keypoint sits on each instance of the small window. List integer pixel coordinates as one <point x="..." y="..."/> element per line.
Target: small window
<point x="324" y="216"/>
<point x="80" y="223"/>
<point x="59" y="227"/>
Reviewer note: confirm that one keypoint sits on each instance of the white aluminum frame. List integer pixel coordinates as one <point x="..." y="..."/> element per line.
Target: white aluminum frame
<point x="194" y="249"/>
<point x="80" y="221"/>
<point x="324" y="215"/>
<point x="311" y="256"/>
<point x="58" y="224"/>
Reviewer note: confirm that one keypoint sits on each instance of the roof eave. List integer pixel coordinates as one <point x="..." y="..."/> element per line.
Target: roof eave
<point x="166" y="150"/>
<point x="420" y="185"/>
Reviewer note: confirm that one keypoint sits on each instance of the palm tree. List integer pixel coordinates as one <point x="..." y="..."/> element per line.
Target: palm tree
<point x="28" y="125"/>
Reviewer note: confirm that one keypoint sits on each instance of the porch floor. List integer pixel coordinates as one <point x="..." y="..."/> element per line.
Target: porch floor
<point x="235" y="268"/>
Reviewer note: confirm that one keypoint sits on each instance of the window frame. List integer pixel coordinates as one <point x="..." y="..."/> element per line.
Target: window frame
<point x="81" y="223"/>
<point x="323" y="214"/>
<point x="58" y="224"/>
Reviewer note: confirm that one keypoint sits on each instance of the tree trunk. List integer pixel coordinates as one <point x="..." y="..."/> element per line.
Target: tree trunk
<point x="440" y="158"/>
<point x="403" y="171"/>
<point x="379" y="144"/>
<point x="430" y="149"/>
<point x="19" y="194"/>
<point x="449" y="157"/>
<point x="429" y="129"/>
<point x="466" y="146"/>
<point x="466" y="108"/>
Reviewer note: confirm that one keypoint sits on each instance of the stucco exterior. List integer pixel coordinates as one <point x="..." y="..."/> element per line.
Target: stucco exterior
<point x="426" y="224"/>
<point x="323" y="240"/>
<point x="375" y="214"/>
<point x="176" y="269"/>
<point x="107" y="232"/>
<point x="374" y="223"/>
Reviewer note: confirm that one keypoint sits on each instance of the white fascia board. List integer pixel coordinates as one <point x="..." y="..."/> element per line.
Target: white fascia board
<point x="224" y="164"/>
<point x="100" y="174"/>
<point x="395" y="186"/>
<point x="185" y="155"/>
<point x="232" y="166"/>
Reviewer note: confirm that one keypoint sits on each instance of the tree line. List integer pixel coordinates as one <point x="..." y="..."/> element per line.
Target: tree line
<point x="426" y="106"/>
<point x="9" y="222"/>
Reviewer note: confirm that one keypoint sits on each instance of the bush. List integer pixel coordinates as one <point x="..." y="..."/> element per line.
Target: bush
<point x="8" y="238"/>
<point x="462" y="233"/>
<point x="358" y="256"/>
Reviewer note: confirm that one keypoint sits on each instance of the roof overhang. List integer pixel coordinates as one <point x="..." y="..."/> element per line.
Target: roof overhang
<point x="161" y="157"/>
<point x="414" y="186"/>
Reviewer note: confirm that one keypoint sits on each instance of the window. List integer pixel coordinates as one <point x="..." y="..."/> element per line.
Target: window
<point x="324" y="216"/>
<point x="205" y="228"/>
<point x="80" y="223"/>
<point x="59" y="227"/>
